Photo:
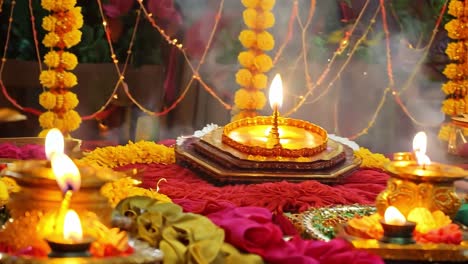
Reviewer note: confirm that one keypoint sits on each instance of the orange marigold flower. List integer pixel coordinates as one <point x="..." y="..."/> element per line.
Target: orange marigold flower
<point x="250" y="17"/>
<point x="47" y="100"/>
<point x="52" y="59"/>
<point x="263" y="63"/>
<point x="457" y="88"/>
<point x="246" y="58"/>
<point x="50" y="40"/>
<point x="49" y="22"/>
<point x="71" y="38"/>
<point x="259" y="81"/>
<point x="245" y="99"/>
<point x="69" y="60"/>
<point x="71" y="120"/>
<point x="457" y="9"/>
<point x="244" y="77"/>
<point x="48" y="78"/>
<point x="248" y="38"/>
<point x="47" y="119"/>
<point x="76" y="17"/>
<point x="265" y="20"/>
<point x="453" y="107"/>
<point x="265" y="41"/>
<point x="69" y="79"/>
<point x="456" y="51"/>
<point x="455" y="71"/>
<point x="456" y="29"/>
<point x="70" y="100"/>
<point x="244" y="114"/>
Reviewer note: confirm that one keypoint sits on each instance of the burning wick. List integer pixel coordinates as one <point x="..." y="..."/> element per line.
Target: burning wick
<point x="419" y="149"/>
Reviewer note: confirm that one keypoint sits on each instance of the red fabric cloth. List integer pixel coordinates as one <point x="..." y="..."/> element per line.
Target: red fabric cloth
<point x="199" y="196"/>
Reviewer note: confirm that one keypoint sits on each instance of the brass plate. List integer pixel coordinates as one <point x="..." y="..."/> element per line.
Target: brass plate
<point x="412" y="252"/>
<point x="143" y="254"/>
<point x="213" y="166"/>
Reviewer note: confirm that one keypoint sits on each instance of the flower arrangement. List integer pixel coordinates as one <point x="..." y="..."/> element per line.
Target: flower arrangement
<point x="456" y="87"/>
<point x="252" y="78"/>
<point x="63" y="25"/>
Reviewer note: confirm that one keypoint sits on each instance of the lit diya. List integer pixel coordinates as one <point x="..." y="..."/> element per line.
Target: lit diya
<point x="420" y="183"/>
<point x="396" y="229"/>
<point x="275" y="135"/>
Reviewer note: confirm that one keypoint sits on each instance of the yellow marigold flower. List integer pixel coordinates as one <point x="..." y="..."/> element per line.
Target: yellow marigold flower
<point x="265" y="41"/>
<point x="263" y="63"/>
<point x="248" y="38"/>
<point x="245" y="99"/>
<point x="456" y="29"/>
<point x="69" y="60"/>
<point x="250" y="17"/>
<point x="71" y="38"/>
<point x="62" y="5"/>
<point x="457" y="88"/>
<point x="48" y="23"/>
<point x="48" y="5"/>
<point x="4" y="196"/>
<point x="453" y="106"/>
<point x="267" y="5"/>
<point x="444" y="132"/>
<point x="265" y="20"/>
<point x="69" y="79"/>
<point x="43" y="133"/>
<point x="244" y="77"/>
<point x="77" y="17"/>
<point x="259" y="81"/>
<point x="47" y="100"/>
<point x="456" y="51"/>
<point x="11" y="184"/>
<point x="455" y="71"/>
<point x="457" y="9"/>
<point x="70" y="100"/>
<point x="47" y="119"/>
<point x="60" y="125"/>
<point x="48" y="78"/>
<point x="71" y="120"/>
<point x="246" y="58"/>
<point x="250" y="3"/>
<point x="370" y="159"/>
<point x="52" y="59"/>
<point x="50" y="40"/>
<point x="244" y="114"/>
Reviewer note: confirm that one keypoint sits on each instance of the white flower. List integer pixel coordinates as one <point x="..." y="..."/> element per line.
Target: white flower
<point x="199" y="133"/>
<point x="344" y="141"/>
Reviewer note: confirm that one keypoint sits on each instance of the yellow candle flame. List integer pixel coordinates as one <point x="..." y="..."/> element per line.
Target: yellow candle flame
<point x="393" y="216"/>
<point x="54" y="143"/>
<point x="66" y="172"/>
<point x="72" y="230"/>
<point x="420" y="147"/>
<point x="276" y="92"/>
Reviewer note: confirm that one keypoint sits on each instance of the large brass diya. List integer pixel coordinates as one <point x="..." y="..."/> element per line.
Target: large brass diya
<point x="412" y="185"/>
<point x="40" y="199"/>
<point x="297" y="138"/>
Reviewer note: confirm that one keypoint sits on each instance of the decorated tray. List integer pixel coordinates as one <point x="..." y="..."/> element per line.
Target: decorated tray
<point x="320" y="223"/>
<point x="430" y="252"/>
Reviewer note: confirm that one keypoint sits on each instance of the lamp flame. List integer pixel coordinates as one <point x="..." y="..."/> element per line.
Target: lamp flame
<point x="54" y="143"/>
<point x="72" y="230"/>
<point x="276" y="92"/>
<point x="66" y="172"/>
<point x="420" y="147"/>
<point x="393" y="216"/>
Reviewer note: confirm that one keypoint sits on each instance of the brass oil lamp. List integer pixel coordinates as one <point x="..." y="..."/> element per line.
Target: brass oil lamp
<point x="415" y="181"/>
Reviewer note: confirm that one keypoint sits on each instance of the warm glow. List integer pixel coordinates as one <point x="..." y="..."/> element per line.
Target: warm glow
<point x="66" y="173"/>
<point x="420" y="147"/>
<point x="276" y="92"/>
<point x="54" y="143"/>
<point x="394" y="217"/>
<point x="72" y="230"/>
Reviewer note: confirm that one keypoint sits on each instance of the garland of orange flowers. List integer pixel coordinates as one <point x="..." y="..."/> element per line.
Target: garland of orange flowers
<point x="456" y="71"/>
<point x="252" y="78"/>
<point x="63" y="24"/>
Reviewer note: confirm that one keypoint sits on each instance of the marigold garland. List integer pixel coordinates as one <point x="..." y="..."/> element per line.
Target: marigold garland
<point x="371" y="160"/>
<point x="456" y="71"/>
<point x="249" y="98"/>
<point x="63" y="25"/>
<point x="144" y="152"/>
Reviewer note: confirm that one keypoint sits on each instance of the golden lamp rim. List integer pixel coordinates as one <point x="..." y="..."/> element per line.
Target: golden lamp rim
<point x="448" y="173"/>
<point x="268" y="152"/>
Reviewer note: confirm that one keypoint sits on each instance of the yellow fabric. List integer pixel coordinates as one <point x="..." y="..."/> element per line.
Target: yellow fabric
<point x="183" y="237"/>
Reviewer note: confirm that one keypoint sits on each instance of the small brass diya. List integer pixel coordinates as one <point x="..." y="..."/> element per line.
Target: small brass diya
<point x="297" y="138"/>
<point x="413" y="185"/>
<point x="40" y="198"/>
